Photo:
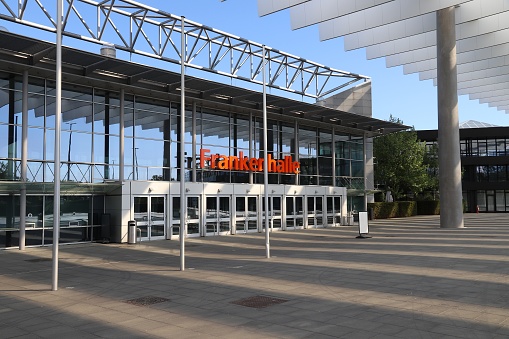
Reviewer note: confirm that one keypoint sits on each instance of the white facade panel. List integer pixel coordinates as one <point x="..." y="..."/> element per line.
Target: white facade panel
<point x="483" y="82"/>
<point x="428" y="75"/>
<point x="322" y="10"/>
<point x="404" y="31"/>
<point x="298" y="18"/>
<point x="411" y="56"/>
<point x="266" y="7"/>
<point x="502" y="103"/>
<point x="395" y="31"/>
<point x="491" y="94"/>
<point x="419" y="66"/>
<point x="486" y="73"/>
<point x="483" y="89"/>
<point x="391" y="12"/>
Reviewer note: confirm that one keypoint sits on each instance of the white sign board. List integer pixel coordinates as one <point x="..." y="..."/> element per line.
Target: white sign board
<point x="363" y="223"/>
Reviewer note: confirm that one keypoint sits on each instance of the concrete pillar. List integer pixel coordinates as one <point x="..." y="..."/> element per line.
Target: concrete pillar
<point x="451" y="210"/>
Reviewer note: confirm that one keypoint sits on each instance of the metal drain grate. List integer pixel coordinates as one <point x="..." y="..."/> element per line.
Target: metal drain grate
<point x="146" y="301"/>
<point x="39" y="260"/>
<point x="259" y="301"/>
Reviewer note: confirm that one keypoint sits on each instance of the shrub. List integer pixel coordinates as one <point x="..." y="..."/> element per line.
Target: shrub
<point x="397" y="209"/>
<point x="407" y="208"/>
<point x="431" y="207"/>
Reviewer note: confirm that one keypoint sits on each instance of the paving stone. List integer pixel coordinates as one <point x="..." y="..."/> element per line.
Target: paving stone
<point x="410" y="280"/>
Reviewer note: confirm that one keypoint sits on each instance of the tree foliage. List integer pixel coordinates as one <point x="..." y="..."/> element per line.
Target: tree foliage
<point x="431" y="164"/>
<point x="399" y="165"/>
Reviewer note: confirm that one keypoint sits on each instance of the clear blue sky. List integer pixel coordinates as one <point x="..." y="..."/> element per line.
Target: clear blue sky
<point x="403" y="96"/>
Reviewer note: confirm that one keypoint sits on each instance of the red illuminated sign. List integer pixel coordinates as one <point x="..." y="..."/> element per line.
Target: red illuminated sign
<point x="243" y="163"/>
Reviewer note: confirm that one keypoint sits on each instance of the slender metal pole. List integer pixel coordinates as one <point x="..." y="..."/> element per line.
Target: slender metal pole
<point x="58" y="113"/>
<point x="69" y="151"/>
<point x="182" y="233"/>
<point x="194" y="144"/>
<point x="24" y="155"/>
<point x="122" y="133"/>
<point x="136" y="164"/>
<point x="265" y="163"/>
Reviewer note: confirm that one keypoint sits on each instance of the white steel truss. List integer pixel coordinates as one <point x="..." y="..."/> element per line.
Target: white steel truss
<point x="404" y="32"/>
<point x="136" y="28"/>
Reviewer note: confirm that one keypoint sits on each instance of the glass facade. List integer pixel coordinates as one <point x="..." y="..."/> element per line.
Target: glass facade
<point x="90" y="136"/>
<point x="484" y="147"/>
<point x="485" y="171"/>
<point x="90" y="152"/>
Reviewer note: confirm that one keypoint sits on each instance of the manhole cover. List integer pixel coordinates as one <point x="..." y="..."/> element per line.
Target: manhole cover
<point x="259" y="301"/>
<point x="39" y="260"/>
<point x="146" y="301"/>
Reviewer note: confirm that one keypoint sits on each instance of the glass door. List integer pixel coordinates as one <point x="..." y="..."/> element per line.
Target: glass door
<point x="490" y="199"/>
<point x="246" y="215"/>
<point x="276" y="208"/>
<point x="240" y="214"/>
<point x="294" y="213"/>
<point x="315" y="211"/>
<point x="252" y="214"/>
<point x="193" y="216"/>
<point x="150" y="216"/>
<point x="290" y="213"/>
<point x="157" y="218"/>
<point x="333" y="211"/>
<point x="274" y="213"/>
<point x="217" y="215"/>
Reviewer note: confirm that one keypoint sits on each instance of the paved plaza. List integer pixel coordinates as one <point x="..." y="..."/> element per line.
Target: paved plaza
<point x="410" y="280"/>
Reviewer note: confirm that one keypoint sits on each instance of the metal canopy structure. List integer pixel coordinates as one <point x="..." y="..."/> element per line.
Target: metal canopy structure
<point x="404" y="32"/>
<point x="19" y="53"/>
<point x="138" y="29"/>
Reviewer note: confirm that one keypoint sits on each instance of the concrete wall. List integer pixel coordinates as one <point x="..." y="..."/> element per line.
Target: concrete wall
<point x="355" y="100"/>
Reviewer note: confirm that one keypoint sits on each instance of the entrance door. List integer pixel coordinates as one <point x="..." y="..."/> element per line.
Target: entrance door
<point x="218" y="215"/>
<point x="333" y="211"/>
<point x="275" y="208"/>
<point x="150" y="216"/>
<point x="193" y="216"/>
<point x="246" y="216"/>
<point x="276" y="211"/>
<point x="294" y="213"/>
<point x="315" y="211"/>
<point x="490" y="199"/>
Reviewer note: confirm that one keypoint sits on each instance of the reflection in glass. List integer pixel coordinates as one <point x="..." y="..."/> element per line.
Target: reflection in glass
<point x="251" y="206"/>
<point x="211" y="211"/>
<point x="240" y="206"/>
<point x="193" y="208"/>
<point x="175" y="205"/>
<point x="140" y="208"/>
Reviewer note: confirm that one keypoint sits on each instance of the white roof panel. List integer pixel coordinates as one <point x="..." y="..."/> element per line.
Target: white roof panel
<point x="404" y="32"/>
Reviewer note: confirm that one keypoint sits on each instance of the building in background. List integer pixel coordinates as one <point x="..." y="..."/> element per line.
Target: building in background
<point x="485" y="165"/>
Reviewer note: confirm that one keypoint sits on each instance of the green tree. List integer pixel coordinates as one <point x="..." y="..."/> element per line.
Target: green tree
<point x="431" y="163"/>
<point x="400" y="165"/>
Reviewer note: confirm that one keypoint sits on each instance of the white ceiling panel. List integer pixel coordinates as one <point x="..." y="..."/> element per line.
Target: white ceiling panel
<point x="384" y="14"/>
<point x="484" y="89"/>
<point x="471" y="67"/>
<point x="266" y="7"/>
<point x="313" y="12"/>
<point x="491" y="94"/>
<point x="404" y="32"/>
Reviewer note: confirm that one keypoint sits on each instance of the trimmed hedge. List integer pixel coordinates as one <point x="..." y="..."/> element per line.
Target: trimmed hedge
<point x="400" y="209"/>
<point x="431" y="207"/>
